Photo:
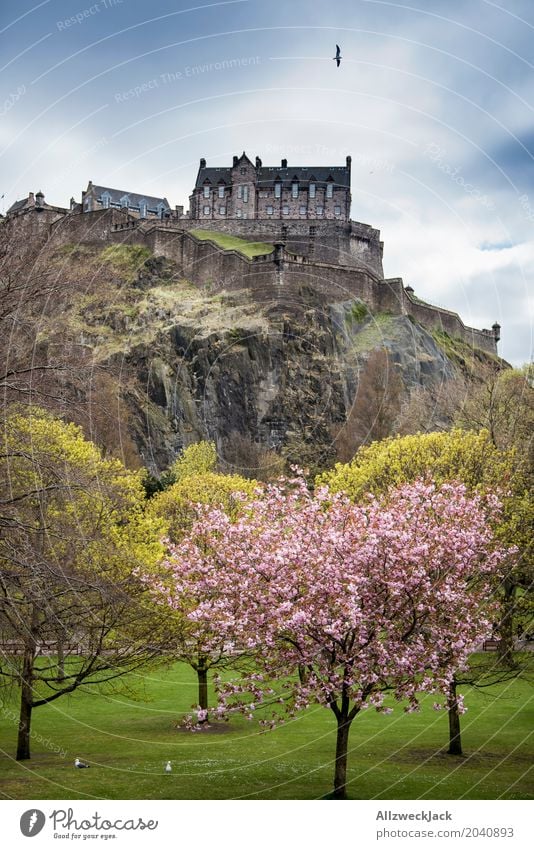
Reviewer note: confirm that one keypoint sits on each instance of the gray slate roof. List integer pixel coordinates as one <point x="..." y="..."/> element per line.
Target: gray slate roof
<point x="19" y="204"/>
<point x="135" y="199"/>
<point x="266" y="176"/>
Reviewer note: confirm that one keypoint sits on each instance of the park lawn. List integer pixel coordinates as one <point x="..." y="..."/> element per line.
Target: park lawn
<point x="227" y="242"/>
<point x="127" y="741"/>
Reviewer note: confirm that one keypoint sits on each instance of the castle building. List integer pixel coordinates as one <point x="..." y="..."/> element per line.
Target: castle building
<point x="252" y="190"/>
<point x="141" y="206"/>
<point x="32" y="203"/>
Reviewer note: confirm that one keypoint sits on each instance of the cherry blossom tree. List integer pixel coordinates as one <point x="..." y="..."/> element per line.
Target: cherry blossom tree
<point x="388" y="595"/>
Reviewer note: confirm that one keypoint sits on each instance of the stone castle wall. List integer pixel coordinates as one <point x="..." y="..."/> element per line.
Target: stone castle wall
<point x="277" y="277"/>
<point x="349" y="243"/>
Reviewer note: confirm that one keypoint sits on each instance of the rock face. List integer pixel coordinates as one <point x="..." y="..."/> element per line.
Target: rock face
<point x="284" y="381"/>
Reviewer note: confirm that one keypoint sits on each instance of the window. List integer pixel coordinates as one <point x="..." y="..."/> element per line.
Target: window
<point x="312" y="190"/>
<point x="142" y="208"/>
<point x="278" y="190"/>
<point x="105" y="201"/>
<point x="294" y="190"/>
<point x="337" y="210"/>
<point x="206" y="210"/>
<point x="285" y="210"/>
<point x="319" y="210"/>
<point x="206" y="191"/>
<point x="269" y="210"/>
<point x="222" y="210"/>
<point x="303" y="209"/>
<point x="238" y="213"/>
<point x="330" y="190"/>
<point x="221" y="191"/>
<point x="125" y="202"/>
<point x="245" y="194"/>
<point x="240" y="192"/>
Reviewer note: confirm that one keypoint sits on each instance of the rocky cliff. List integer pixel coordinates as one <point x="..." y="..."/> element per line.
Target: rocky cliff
<point x="149" y="362"/>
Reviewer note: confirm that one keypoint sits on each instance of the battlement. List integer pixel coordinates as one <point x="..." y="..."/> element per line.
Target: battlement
<point x="337" y="261"/>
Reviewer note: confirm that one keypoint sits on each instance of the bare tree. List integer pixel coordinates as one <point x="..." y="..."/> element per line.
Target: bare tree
<point x="375" y="408"/>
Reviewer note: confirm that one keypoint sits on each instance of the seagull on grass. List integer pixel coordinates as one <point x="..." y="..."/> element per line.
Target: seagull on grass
<point x="337" y="58"/>
<point x="80" y="764"/>
<point x="168" y="767"/>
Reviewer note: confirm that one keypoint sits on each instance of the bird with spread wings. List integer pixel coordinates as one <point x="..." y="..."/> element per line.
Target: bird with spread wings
<point x="337" y="57"/>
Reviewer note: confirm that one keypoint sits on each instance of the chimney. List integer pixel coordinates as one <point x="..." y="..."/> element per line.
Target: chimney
<point x="72" y="203"/>
<point x="284" y="163"/>
<point x="235" y="161"/>
<point x="258" y="162"/>
<point x="348" y="161"/>
<point x="31" y="198"/>
<point x="202" y="163"/>
<point x="179" y="211"/>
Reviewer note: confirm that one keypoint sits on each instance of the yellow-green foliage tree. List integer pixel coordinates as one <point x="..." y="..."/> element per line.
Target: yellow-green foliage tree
<point x="474" y="459"/>
<point x="75" y="542"/>
<point x="177" y="507"/>
<point x="196" y="459"/>
<point x="457" y="454"/>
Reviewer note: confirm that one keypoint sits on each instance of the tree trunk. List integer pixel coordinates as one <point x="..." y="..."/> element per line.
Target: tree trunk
<point x="505" y="646"/>
<point x="202" y="674"/>
<point x="455" y="739"/>
<point x="26" y="703"/>
<point x="342" y="745"/>
<point x="303" y="674"/>
<point x="60" y="659"/>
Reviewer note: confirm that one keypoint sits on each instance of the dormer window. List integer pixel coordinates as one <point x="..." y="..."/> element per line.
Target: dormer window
<point x="206" y="191"/>
<point x="142" y="208"/>
<point x="106" y="200"/>
<point x="161" y="209"/>
<point x="294" y="189"/>
<point x="125" y="202"/>
<point x="312" y="190"/>
<point x="330" y="189"/>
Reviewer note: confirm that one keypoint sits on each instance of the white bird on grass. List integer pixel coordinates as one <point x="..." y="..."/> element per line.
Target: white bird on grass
<point x="80" y="764"/>
<point x="168" y="767"/>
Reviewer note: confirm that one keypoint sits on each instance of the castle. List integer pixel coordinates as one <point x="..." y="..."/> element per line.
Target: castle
<point x="248" y="190"/>
<point x="301" y="214"/>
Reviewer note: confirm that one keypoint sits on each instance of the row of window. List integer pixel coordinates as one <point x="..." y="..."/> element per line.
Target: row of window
<point x="242" y="191"/>
<point x="319" y="210"/>
<point x="143" y="209"/>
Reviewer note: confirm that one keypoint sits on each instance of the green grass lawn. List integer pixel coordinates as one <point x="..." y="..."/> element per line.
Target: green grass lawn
<point x="227" y="242"/>
<point x="128" y="737"/>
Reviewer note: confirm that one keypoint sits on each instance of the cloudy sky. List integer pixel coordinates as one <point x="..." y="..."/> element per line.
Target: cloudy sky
<point x="434" y="100"/>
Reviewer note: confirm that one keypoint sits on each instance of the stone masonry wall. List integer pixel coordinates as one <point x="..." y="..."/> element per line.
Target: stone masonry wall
<point x="277" y="277"/>
<point x="394" y="298"/>
<point x="339" y="243"/>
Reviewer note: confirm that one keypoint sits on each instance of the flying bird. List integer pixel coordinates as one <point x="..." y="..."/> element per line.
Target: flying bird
<point x="80" y="764"/>
<point x="168" y="767"/>
<point x="337" y="58"/>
